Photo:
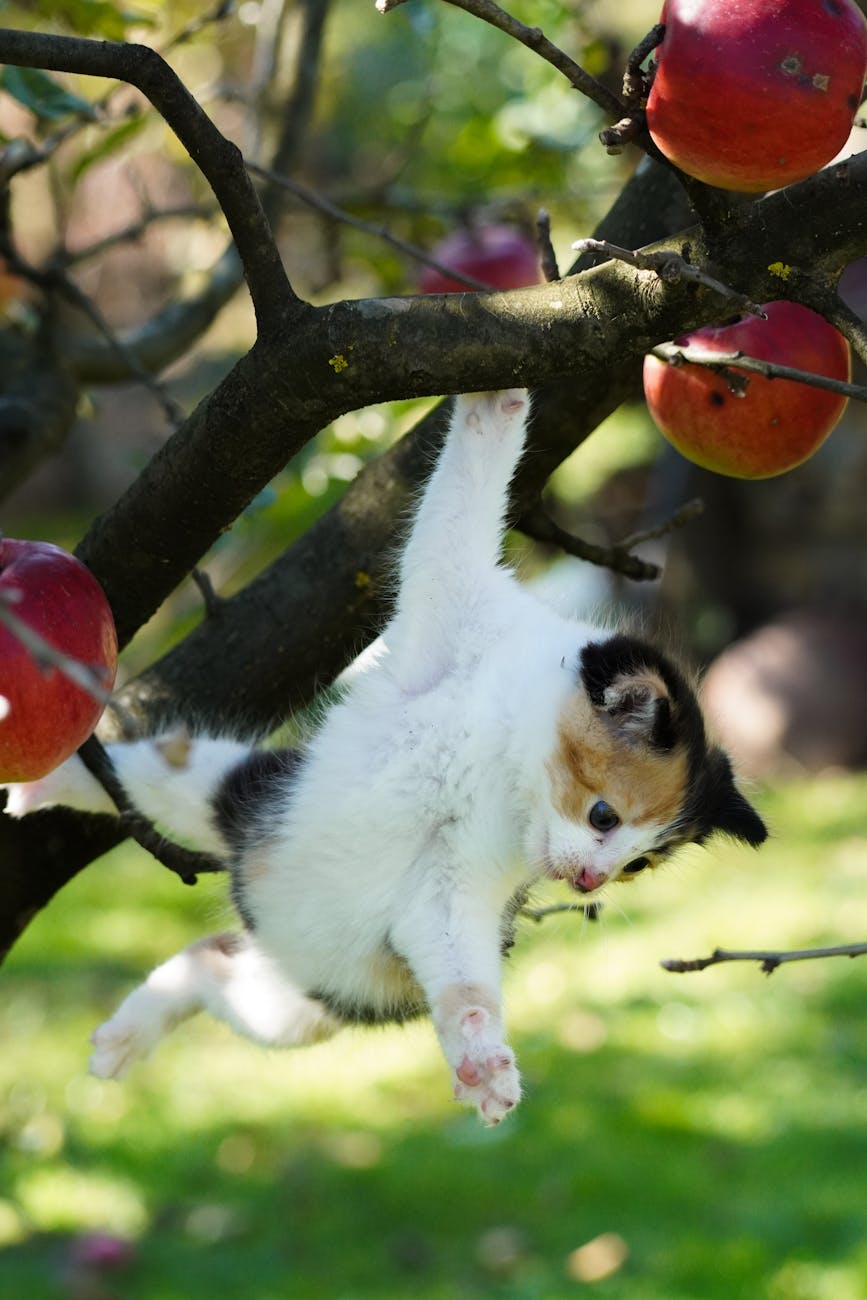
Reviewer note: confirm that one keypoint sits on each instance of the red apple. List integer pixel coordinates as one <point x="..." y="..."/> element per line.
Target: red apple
<point x="45" y="715"/>
<point x="502" y="257"/>
<point x="754" y="94"/>
<point x="777" y="423"/>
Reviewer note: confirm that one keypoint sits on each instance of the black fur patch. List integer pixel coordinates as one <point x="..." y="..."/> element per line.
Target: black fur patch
<point x="244" y="802"/>
<point x="250" y="790"/>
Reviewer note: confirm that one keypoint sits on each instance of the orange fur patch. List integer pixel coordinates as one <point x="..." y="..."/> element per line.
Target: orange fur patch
<point x="590" y="762"/>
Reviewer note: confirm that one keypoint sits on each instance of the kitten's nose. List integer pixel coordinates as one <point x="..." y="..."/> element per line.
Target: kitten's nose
<point x="588" y="880"/>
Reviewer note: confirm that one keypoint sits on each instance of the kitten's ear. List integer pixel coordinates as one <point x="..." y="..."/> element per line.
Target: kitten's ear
<point x="730" y="812"/>
<point x="640" y="706"/>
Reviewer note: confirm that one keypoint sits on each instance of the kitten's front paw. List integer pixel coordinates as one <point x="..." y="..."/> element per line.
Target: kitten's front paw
<point x="496" y="411"/>
<point x="486" y="1075"/>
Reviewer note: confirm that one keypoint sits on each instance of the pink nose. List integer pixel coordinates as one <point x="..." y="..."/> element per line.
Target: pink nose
<point x="588" y="880"/>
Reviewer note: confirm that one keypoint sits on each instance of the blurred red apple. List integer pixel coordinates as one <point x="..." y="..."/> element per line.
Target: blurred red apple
<point x="45" y="715"/>
<point x="756" y="94"/>
<point x="778" y="423"/>
<point x="502" y="257"/>
<point x="99" y="1251"/>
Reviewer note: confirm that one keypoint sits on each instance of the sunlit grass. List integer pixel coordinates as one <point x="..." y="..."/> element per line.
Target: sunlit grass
<point x="682" y="1137"/>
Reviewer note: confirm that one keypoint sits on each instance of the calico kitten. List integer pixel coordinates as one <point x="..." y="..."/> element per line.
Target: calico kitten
<point x="491" y="743"/>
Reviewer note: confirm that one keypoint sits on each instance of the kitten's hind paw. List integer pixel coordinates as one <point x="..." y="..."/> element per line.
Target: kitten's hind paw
<point x="485" y="1075"/>
<point x="115" y="1051"/>
<point x="491" y="1084"/>
<point x="130" y="1035"/>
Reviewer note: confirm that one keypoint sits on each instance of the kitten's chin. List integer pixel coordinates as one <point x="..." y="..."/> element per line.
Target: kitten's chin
<point x="578" y="876"/>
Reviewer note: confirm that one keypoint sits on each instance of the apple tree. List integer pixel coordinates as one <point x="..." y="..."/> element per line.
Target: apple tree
<point x="314" y="152"/>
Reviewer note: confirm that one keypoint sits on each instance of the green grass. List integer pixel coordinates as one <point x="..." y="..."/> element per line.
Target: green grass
<point x="700" y="1136"/>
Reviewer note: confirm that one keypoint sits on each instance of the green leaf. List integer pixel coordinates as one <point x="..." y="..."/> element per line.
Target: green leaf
<point x="94" y="17"/>
<point x="45" y="98"/>
<point x="112" y="142"/>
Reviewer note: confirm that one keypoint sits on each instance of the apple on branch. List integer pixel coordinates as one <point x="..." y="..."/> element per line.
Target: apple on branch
<point x="499" y="256"/>
<point x="58" y="657"/>
<point x="764" y="426"/>
<point x="756" y="94"/>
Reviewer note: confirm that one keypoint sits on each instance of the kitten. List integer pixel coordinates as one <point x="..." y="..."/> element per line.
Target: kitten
<point x="491" y="743"/>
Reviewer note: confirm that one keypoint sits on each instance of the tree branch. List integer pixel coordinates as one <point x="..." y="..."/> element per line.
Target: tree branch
<point x="768" y="959"/>
<point x="677" y="355"/>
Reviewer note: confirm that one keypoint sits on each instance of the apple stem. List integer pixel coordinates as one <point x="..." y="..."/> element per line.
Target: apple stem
<point x="636" y="83"/>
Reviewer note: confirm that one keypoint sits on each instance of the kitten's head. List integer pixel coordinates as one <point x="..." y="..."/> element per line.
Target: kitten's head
<point x="633" y="775"/>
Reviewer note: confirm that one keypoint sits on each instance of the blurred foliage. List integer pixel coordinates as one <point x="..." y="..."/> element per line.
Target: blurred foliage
<point x="690" y="1137"/>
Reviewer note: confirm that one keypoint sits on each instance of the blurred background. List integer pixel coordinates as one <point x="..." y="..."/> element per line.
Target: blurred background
<point x="683" y="1136"/>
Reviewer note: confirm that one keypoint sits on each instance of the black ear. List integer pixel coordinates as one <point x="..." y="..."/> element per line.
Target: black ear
<point x="727" y="811"/>
<point x="640" y="708"/>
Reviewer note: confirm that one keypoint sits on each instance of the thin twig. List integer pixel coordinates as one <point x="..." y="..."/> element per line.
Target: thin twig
<point x="670" y="267"/>
<point x="53" y="279"/>
<point x="676" y="354"/>
<point x="329" y="209"/>
<point x="46" y="656"/>
<point x="212" y="602"/>
<point x="184" y="862"/>
<point x="538" y="914"/>
<point x="687" y="513"/>
<point x="769" y="960"/>
<point x="547" y="256"/>
<point x="539" y="525"/>
<point x="128" y="234"/>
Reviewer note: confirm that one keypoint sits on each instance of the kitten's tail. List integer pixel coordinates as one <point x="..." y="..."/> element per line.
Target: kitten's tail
<point x="173" y="779"/>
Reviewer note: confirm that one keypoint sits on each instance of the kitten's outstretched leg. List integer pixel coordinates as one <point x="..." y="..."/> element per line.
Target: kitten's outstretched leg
<point x="452" y="944"/>
<point x="170" y="778"/>
<point x="224" y="974"/>
<point x="456" y="536"/>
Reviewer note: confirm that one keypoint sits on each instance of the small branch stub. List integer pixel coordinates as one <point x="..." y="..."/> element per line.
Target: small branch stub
<point x="671" y="268"/>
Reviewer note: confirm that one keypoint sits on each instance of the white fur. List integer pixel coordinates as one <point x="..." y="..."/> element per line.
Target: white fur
<point x="425" y="802"/>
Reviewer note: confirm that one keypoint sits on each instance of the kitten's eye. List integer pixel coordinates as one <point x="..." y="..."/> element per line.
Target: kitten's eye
<point x="602" y="817"/>
<point x="632" y="868"/>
